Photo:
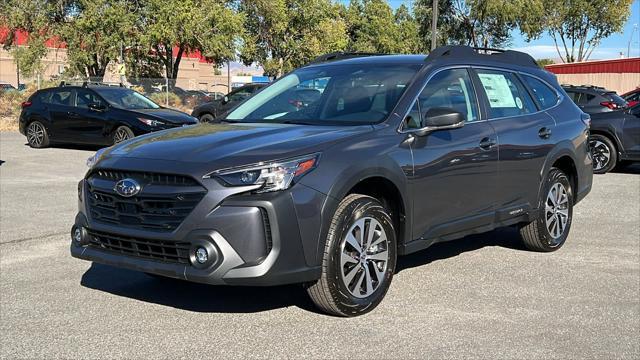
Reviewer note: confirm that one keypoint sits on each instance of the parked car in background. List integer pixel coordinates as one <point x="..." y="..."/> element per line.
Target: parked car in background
<point x="389" y="156"/>
<point x="593" y="99"/>
<point x="615" y="138"/>
<point x="7" y="87"/>
<point x="632" y="97"/>
<point x="210" y="111"/>
<point x="101" y="115"/>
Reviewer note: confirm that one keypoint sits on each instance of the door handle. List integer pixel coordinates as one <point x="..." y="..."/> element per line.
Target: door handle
<point x="544" y="133"/>
<point x="487" y="143"/>
<point x="73" y="114"/>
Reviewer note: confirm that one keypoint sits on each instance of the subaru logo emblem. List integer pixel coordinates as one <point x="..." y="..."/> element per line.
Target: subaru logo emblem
<point x="127" y="187"/>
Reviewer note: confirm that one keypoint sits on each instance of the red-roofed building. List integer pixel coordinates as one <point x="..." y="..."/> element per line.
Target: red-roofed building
<point x="196" y="73"/>
<point x="620" y="75"/>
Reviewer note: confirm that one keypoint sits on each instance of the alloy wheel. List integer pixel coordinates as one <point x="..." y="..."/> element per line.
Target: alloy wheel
<point x="364" y="257"/>
<point x="120" y="136"/>
<point x="557" y="210"/>
<point x="600" y="153"/>
<point x="35" y="134"/>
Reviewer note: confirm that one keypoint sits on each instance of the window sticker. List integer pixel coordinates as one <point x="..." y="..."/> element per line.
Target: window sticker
<point x="498" y="92"/>
<point x="519" y="103"/>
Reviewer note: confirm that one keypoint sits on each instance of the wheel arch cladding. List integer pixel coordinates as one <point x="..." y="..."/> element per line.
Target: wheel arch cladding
<point x="611" y="135"/>
<point x="562" y="157"/>
<point x="389" y="195"/>
<point x="567" y="165"/>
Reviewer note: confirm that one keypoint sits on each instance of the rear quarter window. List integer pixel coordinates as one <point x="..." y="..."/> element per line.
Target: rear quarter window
<point x="41" y="97"/>
<point x="545" y="95"/>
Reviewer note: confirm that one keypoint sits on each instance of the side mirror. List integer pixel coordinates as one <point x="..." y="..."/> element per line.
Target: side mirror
<point x="225" y="99"/>
<point x="440" y="118"/>
<point x="95" y="106"/>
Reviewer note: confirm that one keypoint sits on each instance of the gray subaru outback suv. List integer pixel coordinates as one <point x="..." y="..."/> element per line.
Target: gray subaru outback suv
<point x="330" y="173"/>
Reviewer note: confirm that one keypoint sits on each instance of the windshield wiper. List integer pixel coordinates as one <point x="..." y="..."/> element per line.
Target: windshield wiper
<point x="297" y="122"/>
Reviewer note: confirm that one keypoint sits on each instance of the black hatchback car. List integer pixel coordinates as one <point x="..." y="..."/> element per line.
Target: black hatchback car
<point x="594" y="99"/>
<point x="99" y="115"/>
<point x="210" y="111"/>
<point x="615" y="138"/>
<point x="384" y="156"/>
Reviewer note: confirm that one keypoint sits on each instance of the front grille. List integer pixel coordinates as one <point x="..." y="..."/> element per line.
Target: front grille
<point x="164" y="202"/>
<point x="169" y="251"/>
<point x="149" y="178"/>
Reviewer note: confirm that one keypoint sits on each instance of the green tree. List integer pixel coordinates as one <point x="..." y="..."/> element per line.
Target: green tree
<point x="39" y="19"/>
<point x="544" y="62"/>
<point x="480" y="23"/>
<point x="449" y="29"/>
<point x="409" y="31"/>
<point x="285" y="34"/>
<point x="95" y="33"/>
<point x="576" y="26"/>
<point x="373" y="27"/>
<point x="173" y="28"/>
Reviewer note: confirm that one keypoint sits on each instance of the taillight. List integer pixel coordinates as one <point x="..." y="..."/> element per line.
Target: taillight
<point x="25" y="104"/>
<point x="610" y="104"/>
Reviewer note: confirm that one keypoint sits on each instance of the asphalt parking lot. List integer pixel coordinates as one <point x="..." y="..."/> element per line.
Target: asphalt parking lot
<point x="482" y="296"/>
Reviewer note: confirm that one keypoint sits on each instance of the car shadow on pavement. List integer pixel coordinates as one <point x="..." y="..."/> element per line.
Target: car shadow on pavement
<point x="229" y="299"/>
<point x="508" y="237"/>
<point x="629" y="169"/>
<point x="193" y="296"/>
<point x="74" y="147"/>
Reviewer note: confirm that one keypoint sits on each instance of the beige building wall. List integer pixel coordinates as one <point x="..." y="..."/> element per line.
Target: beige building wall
<point x="618" y="82"/>
<point x="193" y="74"/>
<point x="53" y="64"/>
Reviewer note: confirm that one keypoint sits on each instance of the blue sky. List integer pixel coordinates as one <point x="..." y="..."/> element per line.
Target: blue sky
<point x="544" y="47"/>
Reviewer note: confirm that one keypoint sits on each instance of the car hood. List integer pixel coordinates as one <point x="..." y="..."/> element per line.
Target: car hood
<point x="169" y="115"/>
<point x="234" y="144"/>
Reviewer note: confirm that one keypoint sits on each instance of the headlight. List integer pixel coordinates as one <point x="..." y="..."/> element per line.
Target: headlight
<point x="150" y="122"/>
<point x="273" y="176"/>
<point x="92" y="160"/>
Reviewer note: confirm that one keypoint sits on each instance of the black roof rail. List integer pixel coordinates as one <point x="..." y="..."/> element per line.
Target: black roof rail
<point x="86" y="84"/>
<point x="342" y="55"/>
<point x="461" y="51"/>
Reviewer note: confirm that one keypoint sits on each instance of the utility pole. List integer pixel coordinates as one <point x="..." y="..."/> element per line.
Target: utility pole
<point x="228" y="76"/>
<point x="635" y="27"/>
<point x="434" y="24"/>
<point x="18" y="73"/>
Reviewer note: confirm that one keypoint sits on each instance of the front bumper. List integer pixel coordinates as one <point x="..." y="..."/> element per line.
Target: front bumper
<point x="255" y="239"/>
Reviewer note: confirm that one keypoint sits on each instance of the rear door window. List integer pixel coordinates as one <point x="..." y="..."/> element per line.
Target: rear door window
<point x="505" y="94"/>
<point x="545" y="96"/>
<point x="63" y="97"/>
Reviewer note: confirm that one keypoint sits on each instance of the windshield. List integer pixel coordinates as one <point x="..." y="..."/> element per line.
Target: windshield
<point x="126" y="99"/>
<point x="329" y="95"/>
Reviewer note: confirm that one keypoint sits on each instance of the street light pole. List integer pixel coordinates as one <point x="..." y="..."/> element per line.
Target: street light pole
<point x="635" y="27"/>
<point x="434" y="24"/>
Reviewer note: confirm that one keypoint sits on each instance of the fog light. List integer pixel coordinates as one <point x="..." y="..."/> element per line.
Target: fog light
<point x="77" y="234"/>
<point x="202" y="255"/>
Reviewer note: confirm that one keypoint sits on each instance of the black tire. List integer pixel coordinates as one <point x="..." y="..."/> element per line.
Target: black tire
<point x="208" y="118"/>
<point x="537" y="235"/>
<point x="603" y="153"/>
<point x="122" y="133"/>
<point x="330" y="293"/>
<point x="37" y="135"/>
